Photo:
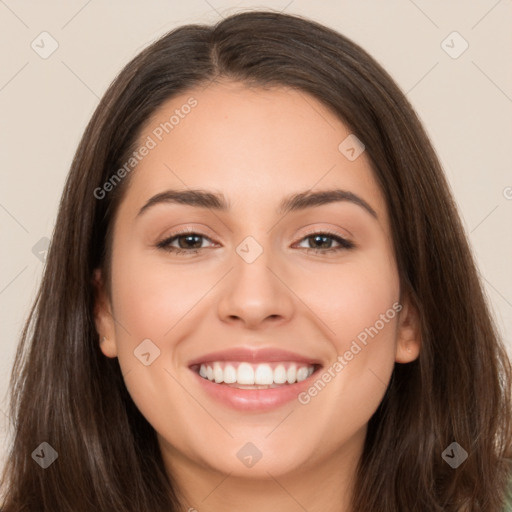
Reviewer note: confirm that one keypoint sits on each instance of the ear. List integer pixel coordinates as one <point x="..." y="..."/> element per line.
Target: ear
<point x="103" y="317"/>
<point x="408" y="342"/>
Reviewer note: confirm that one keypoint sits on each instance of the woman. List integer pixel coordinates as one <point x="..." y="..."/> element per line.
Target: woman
<point x="258" y="371"/>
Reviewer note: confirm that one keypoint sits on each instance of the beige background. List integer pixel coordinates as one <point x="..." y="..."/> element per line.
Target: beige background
<point x="465" y="104"/>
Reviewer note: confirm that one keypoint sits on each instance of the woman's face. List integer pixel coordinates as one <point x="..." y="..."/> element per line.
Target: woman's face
<point x="273" y="294"/>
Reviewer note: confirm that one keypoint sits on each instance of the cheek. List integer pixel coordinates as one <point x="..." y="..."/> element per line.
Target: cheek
<point x="152" y="297"/>
<point x="357" y="298"/>
<point x="159" y="302"/>
<point x="363" y="310"/>
<point x="359" y="303"/>
<point x="149" y="301"/>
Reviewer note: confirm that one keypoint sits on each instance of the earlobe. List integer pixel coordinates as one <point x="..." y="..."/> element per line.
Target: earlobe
<point x="108" y="347"/>
<point x="408" y="341"/>
<point x="103" y="317"/>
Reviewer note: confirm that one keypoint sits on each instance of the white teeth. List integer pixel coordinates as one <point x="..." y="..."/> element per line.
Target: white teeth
<point x="302" y="373"/>
<point x="245" y="374"/>
<point x="280" y="374"/>
<point x="255" y="375"/>
<point x="291" y="374"/>
<point x="218" y="374"/>
<point x="229" y="374"/>
<point x="263" y="374"/>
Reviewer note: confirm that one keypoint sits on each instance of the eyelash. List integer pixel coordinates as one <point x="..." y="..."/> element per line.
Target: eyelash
<point x="344" y="243"/>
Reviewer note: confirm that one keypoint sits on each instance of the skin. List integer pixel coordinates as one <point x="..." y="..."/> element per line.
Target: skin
<point x="255" y="146"/>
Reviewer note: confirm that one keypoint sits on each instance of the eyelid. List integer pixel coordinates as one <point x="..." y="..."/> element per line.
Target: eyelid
<point x="335" y="230"/>
<point x="309" y="232"/>
<point x="326" y="231"/>
<point x="188" y="230"/>
<point x="181" y="232"/>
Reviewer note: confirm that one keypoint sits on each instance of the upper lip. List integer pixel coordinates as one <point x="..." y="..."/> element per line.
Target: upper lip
<point x="253" y="355"/>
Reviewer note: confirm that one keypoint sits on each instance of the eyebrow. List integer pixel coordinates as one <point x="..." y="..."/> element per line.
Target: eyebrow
<point x="295" y="202"/>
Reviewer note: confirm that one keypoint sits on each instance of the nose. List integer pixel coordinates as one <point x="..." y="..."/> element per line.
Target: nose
<point x="256" y="294"/>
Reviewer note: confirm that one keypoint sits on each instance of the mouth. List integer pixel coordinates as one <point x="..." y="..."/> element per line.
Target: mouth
<point x="249" y="381"/>
<point x="245" y="375"/>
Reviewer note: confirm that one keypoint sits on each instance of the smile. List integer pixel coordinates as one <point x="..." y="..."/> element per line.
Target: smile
<point x="253" y="380"/>
<point x="244" y="375"/>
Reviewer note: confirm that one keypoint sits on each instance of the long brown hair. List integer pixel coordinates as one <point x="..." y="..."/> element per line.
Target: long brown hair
<point x="64" y="391"/>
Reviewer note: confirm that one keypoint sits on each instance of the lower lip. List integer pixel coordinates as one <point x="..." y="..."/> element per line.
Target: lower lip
<point x="254" y="399"/>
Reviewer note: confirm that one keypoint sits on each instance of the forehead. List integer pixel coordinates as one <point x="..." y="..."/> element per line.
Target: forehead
<point x="255" y="145"/>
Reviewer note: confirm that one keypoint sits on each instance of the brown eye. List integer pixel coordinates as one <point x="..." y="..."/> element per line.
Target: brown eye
<point x="187" y="242"/>
<point x="325" y="241"/>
